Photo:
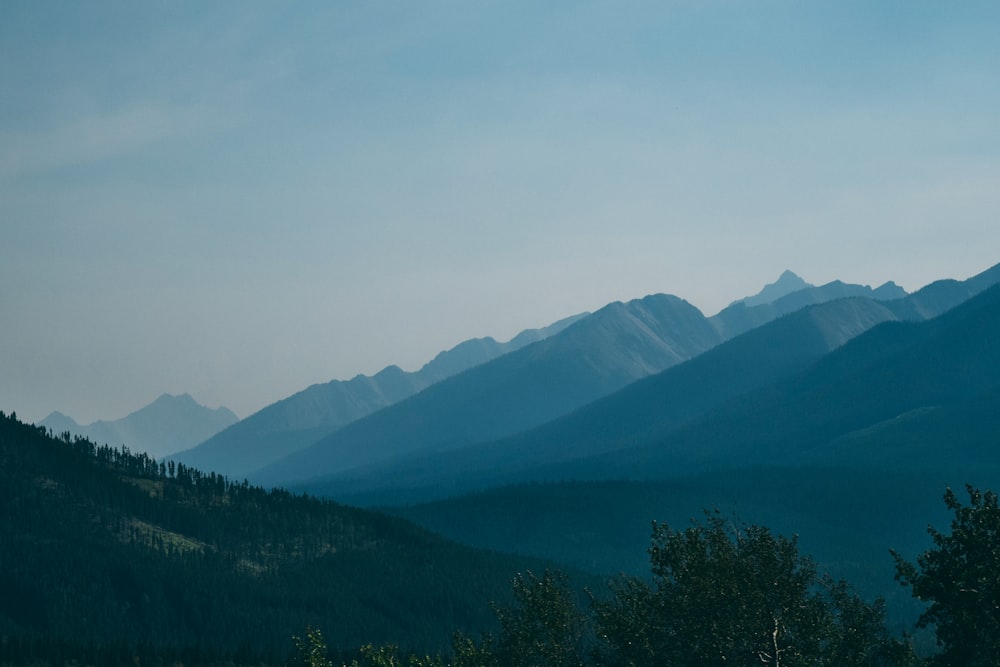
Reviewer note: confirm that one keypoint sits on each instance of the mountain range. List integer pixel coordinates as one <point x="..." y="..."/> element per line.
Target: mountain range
<point x="646" y="409"/>
<point x="303" y="418"/>
<point x="851" y="451"/>
<point x="837" y="413"/>
<point x="167" y="425"/>
<point x="596" y="355"/>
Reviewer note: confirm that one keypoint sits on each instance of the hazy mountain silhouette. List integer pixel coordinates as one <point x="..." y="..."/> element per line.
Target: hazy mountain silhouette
<point x="852" y="453"/>
<point x="167" y="425"/>
<point x="303" y="418"/>
<point x="877" y="384"/>
<point x="741" y="317"/>
<point x="593" y="357"/>
<point x="645" y="409"/>
<point x="786" y="283"/>
<point x="598" y="355"/>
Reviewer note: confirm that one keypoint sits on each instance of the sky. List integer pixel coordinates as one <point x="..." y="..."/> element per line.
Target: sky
<point x="237" y="200"/>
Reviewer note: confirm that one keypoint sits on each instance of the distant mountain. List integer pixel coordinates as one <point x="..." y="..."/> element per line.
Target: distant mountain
<point x="594" y="357"/>
<point x="741" y="317"/>
<point x="882" y="382"/>
<point x="640" y="410"/>
<point x="167" y="425"/>
<point x="786" y="283"/>
<point x="852" y="452"/>
<point x="303" y="418"/>
<point x="645" y="409"/>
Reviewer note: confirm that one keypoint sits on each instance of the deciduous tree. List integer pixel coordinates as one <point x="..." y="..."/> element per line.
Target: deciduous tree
<point x="960" y="578"/>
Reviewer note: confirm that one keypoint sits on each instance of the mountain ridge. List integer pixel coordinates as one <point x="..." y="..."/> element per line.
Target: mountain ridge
<point x="595" y="356"/>
<point x="650" y="405"/>
<point x="170" y="423"/>
<point x="306" y="416"/>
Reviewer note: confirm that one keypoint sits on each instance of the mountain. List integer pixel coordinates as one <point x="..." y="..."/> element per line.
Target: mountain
<point x="786" y="283"/>
<point x="303" y="418"/>
<point x="895" y="373"/>
<point x="595" y="356"/>
<point x="851" y="453"/>
<point x="741" y="317"/>
<point x="106" y="548"/>
<point x="598" y="355"/>
<point x="649" y="407"/>
<point x="167" y="425"/>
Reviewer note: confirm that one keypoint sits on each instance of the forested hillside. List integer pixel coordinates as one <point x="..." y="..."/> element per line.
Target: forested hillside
<point x="103" y="546"/>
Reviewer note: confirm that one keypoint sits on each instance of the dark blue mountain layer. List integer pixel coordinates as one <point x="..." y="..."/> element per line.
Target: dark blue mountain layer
<point x="644" y="411"/>
<point x="596" y="356"/>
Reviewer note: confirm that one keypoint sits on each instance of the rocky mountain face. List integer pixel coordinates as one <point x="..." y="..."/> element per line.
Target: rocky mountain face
<point x="167" y="425"/>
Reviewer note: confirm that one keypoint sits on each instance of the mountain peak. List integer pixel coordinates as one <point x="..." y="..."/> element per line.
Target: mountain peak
<point x="169" y="424"/>
<point x="174" y="398"/>
<point x="786" y="283"/>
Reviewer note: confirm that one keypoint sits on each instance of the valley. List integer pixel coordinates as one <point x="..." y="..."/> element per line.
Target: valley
<point x="827" y="414"/>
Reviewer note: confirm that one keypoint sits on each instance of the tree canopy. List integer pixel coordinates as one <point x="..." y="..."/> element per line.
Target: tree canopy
<point x="725" y="595"/>
<point x="960" y="579"/>
<point x="718" y="595"/>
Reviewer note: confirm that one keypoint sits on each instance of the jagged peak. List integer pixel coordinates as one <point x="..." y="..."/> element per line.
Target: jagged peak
<point x="787" y="282"/>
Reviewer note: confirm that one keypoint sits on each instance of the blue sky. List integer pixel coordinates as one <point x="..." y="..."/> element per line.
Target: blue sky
<point x="239" y="199"/>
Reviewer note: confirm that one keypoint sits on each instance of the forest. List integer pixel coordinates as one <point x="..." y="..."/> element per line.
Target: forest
<point x="102" y="548"/>
<point x="721" y="594"/>
<point x="109" y="557"/>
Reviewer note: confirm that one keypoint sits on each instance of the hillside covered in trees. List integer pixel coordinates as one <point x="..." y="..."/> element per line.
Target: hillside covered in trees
<point x="104" y="547"/>
<point x="721" y="593"/>
<point x="109" y="557"/>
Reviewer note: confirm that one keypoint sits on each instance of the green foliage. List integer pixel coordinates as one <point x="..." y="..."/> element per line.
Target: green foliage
<point x="311" y="650"/>
<point x="960" y="578"/>
<point x="544" y="627"/>
<point x="718" y="596"/>
<point x="727" y="596"/>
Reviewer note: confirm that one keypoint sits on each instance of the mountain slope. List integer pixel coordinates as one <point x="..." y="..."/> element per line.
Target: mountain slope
<point x="104" y="547"/>
<point x="596" y="356"/>
<point x="645" y="409"/>
<point x="593" y="357"/>
<point x="167" y="425"/>
<point x="893" y="372"/>
<point x="851" y="454"/>
<point x="303" y="418"/>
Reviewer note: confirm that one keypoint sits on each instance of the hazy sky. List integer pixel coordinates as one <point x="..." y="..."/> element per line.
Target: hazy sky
<point x="240" y="199"/>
